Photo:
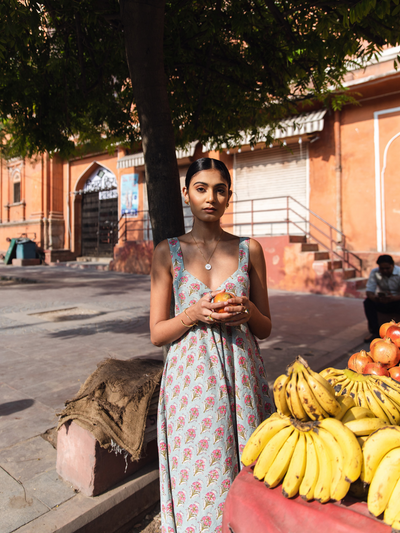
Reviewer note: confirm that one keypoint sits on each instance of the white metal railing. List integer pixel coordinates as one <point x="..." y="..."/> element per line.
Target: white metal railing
<point x="254" y="218"/>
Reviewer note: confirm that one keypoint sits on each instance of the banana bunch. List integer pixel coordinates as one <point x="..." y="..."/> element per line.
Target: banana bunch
<point x="379" y="394"/>
<point x="318" y="459"/>
<point x="381" y="470"/>
<point x="304" y="394"/>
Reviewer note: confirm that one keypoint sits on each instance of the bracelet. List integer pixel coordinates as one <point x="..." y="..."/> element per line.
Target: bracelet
<point x="191" y="325"/>
<point x="194" y="323"/>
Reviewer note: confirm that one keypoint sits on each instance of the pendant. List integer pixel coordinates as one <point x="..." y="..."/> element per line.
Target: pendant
<point x="208" y="266"/>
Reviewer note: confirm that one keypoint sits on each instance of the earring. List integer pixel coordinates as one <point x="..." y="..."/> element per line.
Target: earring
<point x="186" y="202"/>
<point x="227" y="205"/>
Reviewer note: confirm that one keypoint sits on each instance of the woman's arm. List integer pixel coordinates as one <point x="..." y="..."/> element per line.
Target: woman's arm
<point x="163" y="329"/>
<point x="258" y="316"/>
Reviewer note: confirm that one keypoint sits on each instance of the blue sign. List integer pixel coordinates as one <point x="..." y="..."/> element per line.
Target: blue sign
<point x="130" y="195"/>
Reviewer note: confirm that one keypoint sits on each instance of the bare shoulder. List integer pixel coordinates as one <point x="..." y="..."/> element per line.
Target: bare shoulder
<point x="161" y="256"/>
<point x="256" y="254"/>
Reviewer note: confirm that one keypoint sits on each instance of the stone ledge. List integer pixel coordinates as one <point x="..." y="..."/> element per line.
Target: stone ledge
<point x="112" y="512"/>
<point x="25" y="262"/>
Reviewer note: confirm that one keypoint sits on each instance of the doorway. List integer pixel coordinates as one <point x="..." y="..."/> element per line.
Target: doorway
<point x="99" y="214"/>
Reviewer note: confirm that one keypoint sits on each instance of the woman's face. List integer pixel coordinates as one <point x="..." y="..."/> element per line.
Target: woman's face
<point x="208" y="195"/>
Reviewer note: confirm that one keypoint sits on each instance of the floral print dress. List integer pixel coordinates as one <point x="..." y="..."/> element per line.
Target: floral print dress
<point x="214" y="393"/>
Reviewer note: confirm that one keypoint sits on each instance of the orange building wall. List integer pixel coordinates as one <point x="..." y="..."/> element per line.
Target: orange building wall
<point x="358" y="181"/>
<point x="323" y="178"/>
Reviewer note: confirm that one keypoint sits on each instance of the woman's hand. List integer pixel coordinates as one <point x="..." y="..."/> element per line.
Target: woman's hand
<point x="237" y="310"/>
<point x="203" y="309"/>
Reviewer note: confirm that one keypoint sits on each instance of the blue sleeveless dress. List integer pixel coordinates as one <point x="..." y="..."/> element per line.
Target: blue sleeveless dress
<point x="214" y="393"/>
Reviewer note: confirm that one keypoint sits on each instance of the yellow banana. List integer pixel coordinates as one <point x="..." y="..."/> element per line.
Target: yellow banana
<point x="281" y="463"/>
<point x="353" y="391"/>
<point x="392" y="393"/>
<point x="270" y="451"/>
<point x="357" y="412"/>
<point x="280" y="395"/>
<point x="261" y="436"/>
<point x="387" y="405"/>
<point x="348" y="442"/>
<point x="374" y="406"/>
<point x="360" y="398"/>
<point x="391" y="382"/>
<point x="362" y="439"/>
<point x="365" y="426"/>
<point x="342" y="386"/>
<point x="346" y="403"/>
<point x="396" y="524"/>
<point x="325" y="398"/>
<point x="297" y="467"/>
<point x="375" y="447"/>
<point x="346" y="390"/>
<point x="311" y="406"/>
<point x="393" y="507"/>
<point x="322" y="489"/>
<point x="295" y="403"/>
<point x="306" y="489"/>
<point x="339" y="485"/>
<point x="331" y="372"/>
<point x="385" y="478"/>
<point x="321" y="380"/>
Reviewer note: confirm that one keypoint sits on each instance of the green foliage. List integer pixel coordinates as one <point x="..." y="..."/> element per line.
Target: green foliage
<point x="231" y="65"/>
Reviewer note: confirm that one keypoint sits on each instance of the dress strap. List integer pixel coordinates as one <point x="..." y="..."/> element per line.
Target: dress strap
<point x="176" y="255"/>
<point x="244" y="254"/>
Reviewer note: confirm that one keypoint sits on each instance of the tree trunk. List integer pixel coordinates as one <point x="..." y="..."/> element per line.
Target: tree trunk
<point x="144" y="31"/>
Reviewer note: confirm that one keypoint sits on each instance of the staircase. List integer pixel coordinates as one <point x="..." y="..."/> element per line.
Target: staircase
<point x="331" y="276"/>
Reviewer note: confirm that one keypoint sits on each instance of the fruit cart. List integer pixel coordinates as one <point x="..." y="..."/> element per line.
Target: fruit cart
<point x="329" y="458"/>
<point x="250" y="506"/>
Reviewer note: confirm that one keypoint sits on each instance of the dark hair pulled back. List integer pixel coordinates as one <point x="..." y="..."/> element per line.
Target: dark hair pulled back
<point x="207" y="163"/>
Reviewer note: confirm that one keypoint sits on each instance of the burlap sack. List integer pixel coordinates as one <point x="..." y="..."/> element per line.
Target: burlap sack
<point x="114" y="402"/>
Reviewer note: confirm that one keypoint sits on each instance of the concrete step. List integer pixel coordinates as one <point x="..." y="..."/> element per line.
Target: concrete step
<point x="309" y="247"/>
<point x="90" y="259"/>
<point x="297" y="238"/>
<point x="115" y="511"/>
<point x="81" y="266"/>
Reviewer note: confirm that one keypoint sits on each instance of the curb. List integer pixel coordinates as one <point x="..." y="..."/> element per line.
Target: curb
<point x="115" y="511"/>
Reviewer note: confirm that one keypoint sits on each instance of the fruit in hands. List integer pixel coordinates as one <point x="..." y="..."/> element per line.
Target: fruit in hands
<point x="386" y="352"/>
<point x="359" y="360"/>
<point x="222" y="297"/>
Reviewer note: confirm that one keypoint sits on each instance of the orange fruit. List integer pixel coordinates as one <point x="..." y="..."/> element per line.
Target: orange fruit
<point x="222" y="297"/>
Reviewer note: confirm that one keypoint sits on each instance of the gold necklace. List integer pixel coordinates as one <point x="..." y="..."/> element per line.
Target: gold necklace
<point x="207" y="265"/>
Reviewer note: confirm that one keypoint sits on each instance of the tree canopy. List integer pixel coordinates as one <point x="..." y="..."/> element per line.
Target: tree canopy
<point x="80" y="75"/>
<point x="230" y="65"/>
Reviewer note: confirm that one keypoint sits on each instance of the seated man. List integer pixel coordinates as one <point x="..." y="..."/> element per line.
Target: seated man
<point x="383" y="293"/>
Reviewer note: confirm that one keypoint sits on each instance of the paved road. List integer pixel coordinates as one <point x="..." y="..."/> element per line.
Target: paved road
<point x="57" y="328"/>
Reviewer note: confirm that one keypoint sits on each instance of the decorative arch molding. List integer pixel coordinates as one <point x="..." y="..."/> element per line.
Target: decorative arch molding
<point x="90" y="171"/>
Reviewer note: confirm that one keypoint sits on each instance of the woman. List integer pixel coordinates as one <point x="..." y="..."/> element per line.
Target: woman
<point x="214" y="391"/>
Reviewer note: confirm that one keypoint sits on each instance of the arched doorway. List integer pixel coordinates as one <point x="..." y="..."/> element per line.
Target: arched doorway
<point x="99" y="214"/>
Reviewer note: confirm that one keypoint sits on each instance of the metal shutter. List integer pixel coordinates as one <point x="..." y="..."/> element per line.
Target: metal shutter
<point x="261" y="176"/>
